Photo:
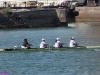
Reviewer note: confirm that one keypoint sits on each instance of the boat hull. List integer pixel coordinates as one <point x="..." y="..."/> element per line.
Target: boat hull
<point x="40" y="49"/>
<point x="50" y="49"/>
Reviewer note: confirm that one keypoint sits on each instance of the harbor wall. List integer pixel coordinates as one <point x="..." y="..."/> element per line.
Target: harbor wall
<point x="49" y="17"/>
<point x="39" y="18"/>
<point x="88" y="14"/>
<point x="36" y="18"/>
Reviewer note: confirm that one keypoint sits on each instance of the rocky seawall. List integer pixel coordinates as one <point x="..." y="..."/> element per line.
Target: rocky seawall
<point x="49" y="17"/>
<point x="36" y="18"/>
<point x="5" y="21"/>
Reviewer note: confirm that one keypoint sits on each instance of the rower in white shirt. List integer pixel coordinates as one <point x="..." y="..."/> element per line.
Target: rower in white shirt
<point x="72" y="42"/>
<point x="58" y="43"/>
<point x="43" y="44"/>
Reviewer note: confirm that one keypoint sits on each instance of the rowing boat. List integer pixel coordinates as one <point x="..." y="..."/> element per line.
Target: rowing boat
<point x="49" y="49"/>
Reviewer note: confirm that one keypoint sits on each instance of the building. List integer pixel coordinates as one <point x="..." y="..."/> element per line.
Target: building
<point x="23" y="3"/>
<point x="29" y="3"/>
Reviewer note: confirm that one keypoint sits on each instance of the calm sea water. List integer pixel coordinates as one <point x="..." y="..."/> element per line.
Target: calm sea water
<point x="74" y="62"/>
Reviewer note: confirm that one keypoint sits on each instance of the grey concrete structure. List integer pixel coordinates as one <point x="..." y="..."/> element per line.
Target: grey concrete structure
<point x="88" y="14"/>
<point x="48" y="17"/>
<point x="36" y="18"/>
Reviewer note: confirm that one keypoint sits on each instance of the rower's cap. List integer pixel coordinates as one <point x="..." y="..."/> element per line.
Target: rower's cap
<point x="72" y="38"/>
<point x="43" y="39"/>
<point x="57" y="38"/>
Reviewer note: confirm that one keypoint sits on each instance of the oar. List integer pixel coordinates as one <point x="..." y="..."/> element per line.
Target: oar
<point x="92" y="46"/>
<point x="2" y="49"/>
<point x="49" y="47"/>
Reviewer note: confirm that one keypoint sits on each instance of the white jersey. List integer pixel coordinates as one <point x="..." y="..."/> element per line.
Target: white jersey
<point x="57" y="44"/>
<point x="72" y="43"/>
<point x="42" y="44"/>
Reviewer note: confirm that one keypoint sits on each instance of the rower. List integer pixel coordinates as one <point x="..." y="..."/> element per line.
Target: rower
<point x="43" y="44"/>
<point x="26" y="45"/>
<point x="58" y="43"/>
<point x="73" y="43"/>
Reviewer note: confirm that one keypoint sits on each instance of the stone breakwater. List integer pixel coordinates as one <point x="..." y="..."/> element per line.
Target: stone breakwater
<point x="36" y="18"/>
<point x="49" y="17"/>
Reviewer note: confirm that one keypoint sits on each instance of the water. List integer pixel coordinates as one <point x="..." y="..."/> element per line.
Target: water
<point x="85" y="34"/>
<point x="85" y="62"/>
<point x="51" y="63"/>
